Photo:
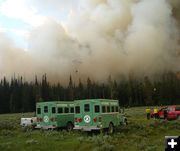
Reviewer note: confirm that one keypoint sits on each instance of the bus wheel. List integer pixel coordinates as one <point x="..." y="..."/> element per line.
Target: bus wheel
<point x="69" y="127"/>
<point x="110" y="129"/>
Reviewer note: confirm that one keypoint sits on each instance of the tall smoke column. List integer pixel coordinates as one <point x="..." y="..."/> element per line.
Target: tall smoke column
<point x="14" y="60"/>
<point x="176" y="14"/>
<point x="106" y="37"/>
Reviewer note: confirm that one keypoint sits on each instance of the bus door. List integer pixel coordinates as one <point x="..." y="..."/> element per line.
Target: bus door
<point x="87" y="114"/>
<point x="47" y="114"/>
<point x="39" y="110"/>
<point x="96" y="113"/>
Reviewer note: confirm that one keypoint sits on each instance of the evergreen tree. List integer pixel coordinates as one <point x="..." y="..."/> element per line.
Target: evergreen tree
<point x="89" y="89"/>
<point x="148" y="89"/>
<point x="45" y="89"/>
<point x="70" y="89"/>
<point x="19" y="95"/>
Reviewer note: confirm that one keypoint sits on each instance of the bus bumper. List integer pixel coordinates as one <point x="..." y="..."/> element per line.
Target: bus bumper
<point x="45" y="127"/>
<point x="86" y="128"/>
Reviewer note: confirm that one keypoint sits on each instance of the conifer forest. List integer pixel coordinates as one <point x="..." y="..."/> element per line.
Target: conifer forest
<point x="18" y="95"/>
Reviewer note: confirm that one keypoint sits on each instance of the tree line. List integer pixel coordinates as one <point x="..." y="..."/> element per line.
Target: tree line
<point x="18" y="95"/>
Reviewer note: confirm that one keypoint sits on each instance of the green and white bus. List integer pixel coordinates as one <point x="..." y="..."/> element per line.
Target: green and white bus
<point x="55" y="114"/>
<point x="98" y="114"/>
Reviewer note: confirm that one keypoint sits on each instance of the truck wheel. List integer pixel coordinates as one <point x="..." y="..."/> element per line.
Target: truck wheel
<point x="69" y="127"/>
<point x="110" y="129"/>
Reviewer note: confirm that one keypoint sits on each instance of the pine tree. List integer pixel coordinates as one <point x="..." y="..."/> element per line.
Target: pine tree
<point x="148" y="89"/>
<point x="110" y="87"/>
<point x="70" y="89"/>
<point x="89" y="88"/>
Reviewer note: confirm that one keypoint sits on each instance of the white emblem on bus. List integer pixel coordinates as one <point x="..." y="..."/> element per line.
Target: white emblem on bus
<point x="87" y="118"/>
<point x="46" y="119"/>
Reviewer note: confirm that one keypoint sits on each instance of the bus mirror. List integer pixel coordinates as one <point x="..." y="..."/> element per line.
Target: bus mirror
<point x="121" y="110"/>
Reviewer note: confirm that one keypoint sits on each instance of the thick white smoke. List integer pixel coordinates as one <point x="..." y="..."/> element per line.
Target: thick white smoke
<point x="101" y="38"/>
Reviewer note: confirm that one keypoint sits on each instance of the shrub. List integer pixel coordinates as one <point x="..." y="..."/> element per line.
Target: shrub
<point x="31" y="141"/>
<point x="7" y="125"/>
<point x="5" y="146"/>
<point x="80" y="139"/>
<point x="151" y="148"/>
<point x="97" y="140"/>
<point x="107" y="147"/>
<point x="104" y="147"/>
<point x="26" y="129"/>
<point x="141" y="146"/>
<point x="7" y="132"/>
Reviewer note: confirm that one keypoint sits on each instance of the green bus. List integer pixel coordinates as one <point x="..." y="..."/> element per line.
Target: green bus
<point x="98" y="114"/>
<point x="55" y="114"/>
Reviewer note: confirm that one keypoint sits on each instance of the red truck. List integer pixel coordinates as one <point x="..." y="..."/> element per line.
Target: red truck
<point x="172" y="113"/>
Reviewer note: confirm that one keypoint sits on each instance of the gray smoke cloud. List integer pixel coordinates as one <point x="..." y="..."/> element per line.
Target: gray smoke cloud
<point x="99" y="38"/>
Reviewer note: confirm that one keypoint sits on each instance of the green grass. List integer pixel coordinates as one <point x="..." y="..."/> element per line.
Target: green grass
<point x="140" y="134"/>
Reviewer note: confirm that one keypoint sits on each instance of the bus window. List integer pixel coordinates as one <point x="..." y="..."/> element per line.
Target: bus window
<point x="108" y="108"/>
<point x="72" y="110"/>
<point x="60" y="110"/>
<point x="66" y="110"/>
<point x="116" y="108"/>
<point x="86" y="108"/>
<point x="112" y="108"/>
<point x="53" y="110"/>
<point x="96" y="108"/>
<point x="77" y="109"/>
<point x="103" y="109"/>
<point x="45" y="109"/>
<point x="38" y="110"/>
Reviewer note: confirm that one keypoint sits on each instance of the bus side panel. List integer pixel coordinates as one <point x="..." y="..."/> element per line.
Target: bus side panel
<point x="63" y="119"/>
<point x="109" y="117"/>
<point x="46" y="118"/>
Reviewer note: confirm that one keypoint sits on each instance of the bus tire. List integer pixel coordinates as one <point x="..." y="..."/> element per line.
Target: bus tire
<point x="111" y="128"/>
<point x="69" y="126"/>
<point x="178" y="117"/>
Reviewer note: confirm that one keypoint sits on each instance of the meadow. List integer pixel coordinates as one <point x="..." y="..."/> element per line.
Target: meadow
<point x="139" y="134"/>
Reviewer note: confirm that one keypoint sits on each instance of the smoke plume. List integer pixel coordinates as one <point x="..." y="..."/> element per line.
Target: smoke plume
<point x="99" y="38"/>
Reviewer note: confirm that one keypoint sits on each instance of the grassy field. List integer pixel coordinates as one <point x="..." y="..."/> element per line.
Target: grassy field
<point x="140" y="134"/>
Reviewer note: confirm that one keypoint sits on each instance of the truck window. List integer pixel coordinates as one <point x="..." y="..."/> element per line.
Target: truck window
<point x="45" y="109"/>
<point x="72" y="110"/>
<point x="38" y="110"/>
<point x="108" y="108"/>
<point x="86" y="108"/>
<point x="60" y="110"/>
<point x="77" y="109"/>
<point x="177" y="109"/>
<point x="96" y="108"/>
<point x="103" y="109"/>
<point x="66" y="110"/>
<point x="170" y="109"/>
<point x="53" y="110"/>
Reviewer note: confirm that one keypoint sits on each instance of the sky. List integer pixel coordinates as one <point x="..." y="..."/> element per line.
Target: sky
<point x="89" y="38"/>
<point x="19" y="17"/>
